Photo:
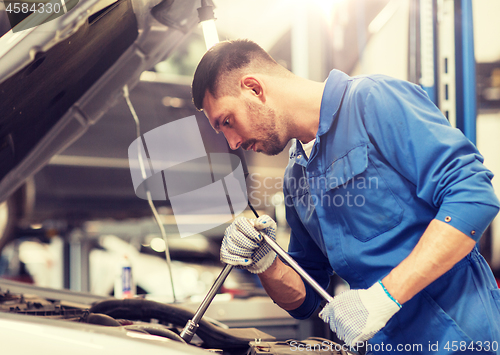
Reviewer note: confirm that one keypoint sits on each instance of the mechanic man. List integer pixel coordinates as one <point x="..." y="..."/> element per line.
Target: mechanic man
<point x="379" y="188"/>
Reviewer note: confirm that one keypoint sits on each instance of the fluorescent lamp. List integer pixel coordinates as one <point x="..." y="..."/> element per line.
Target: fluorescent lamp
<point x="207" y="19"/>
<point x="210" y="33"/>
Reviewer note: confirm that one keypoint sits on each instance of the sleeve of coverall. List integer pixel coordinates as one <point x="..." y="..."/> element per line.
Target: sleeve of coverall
<point x="417" y="140"/>
<point x="307" y="254"/>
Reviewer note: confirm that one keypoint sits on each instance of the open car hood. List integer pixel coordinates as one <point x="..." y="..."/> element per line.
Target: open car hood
<point x="59" y="78"/>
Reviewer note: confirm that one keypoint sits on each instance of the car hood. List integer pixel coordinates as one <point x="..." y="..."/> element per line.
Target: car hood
<point x="58" y="78"/>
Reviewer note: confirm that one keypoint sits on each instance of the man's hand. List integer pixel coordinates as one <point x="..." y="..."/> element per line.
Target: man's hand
<point x="357" y="315"/>
<point x="244" y="246"/>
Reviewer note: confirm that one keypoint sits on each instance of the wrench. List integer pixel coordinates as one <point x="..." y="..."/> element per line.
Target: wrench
<point x="192" y="325"/>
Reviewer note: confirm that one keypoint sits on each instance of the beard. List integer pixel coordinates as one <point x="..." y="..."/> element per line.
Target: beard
<point x="263" y="120"/>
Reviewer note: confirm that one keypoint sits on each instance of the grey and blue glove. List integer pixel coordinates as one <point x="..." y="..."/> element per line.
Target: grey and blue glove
<point x="357" y="315"/>
<point x="244" y="246"/>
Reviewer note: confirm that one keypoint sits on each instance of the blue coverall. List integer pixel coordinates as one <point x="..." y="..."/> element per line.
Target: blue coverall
<point x="385" y="163"/>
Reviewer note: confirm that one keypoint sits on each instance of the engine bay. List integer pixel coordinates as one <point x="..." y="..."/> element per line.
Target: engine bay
<point x="154" y="320"/>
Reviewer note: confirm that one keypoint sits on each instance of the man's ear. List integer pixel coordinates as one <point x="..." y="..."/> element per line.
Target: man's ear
<point x="253" y="86"/>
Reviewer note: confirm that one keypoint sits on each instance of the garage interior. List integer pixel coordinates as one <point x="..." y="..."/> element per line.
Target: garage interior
<point x="77" y="222"/>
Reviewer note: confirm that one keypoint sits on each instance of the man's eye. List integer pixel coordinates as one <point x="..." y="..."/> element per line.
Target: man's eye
<point x="226" y="122"/>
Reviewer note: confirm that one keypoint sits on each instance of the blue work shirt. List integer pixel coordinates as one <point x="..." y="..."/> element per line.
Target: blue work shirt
<point x="385" y="163"/>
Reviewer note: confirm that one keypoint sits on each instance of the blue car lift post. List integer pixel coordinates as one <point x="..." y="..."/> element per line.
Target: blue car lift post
<point x="465" y="69"/>
<point x="446" y="45"/>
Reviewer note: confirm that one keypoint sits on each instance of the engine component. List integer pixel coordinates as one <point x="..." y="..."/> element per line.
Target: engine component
<point x="156" y="329"/>
<point x="212" y="335"/>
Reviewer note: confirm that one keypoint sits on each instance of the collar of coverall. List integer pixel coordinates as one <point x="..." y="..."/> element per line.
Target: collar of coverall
<point x="335" y="87"/>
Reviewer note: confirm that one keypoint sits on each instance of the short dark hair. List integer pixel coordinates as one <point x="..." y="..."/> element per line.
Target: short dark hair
<point x="221" y="59"/>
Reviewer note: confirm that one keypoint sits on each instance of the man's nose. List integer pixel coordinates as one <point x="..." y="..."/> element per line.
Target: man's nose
<point x="234" y="140"/>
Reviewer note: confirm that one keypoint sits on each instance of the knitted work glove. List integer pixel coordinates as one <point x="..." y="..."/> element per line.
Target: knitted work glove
<point x="244" y="246"/>
<point x="357" y="315"/>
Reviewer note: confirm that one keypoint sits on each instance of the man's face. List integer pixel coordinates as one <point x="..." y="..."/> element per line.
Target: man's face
<point x="245" y="123"/>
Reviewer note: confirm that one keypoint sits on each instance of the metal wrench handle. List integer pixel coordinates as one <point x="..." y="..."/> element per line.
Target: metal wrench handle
<point x="192" y="324"/>
<point x="293" y="264"/>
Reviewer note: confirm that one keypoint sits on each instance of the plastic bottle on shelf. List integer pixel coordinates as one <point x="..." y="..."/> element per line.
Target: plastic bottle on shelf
<point x="124" y="282"/>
